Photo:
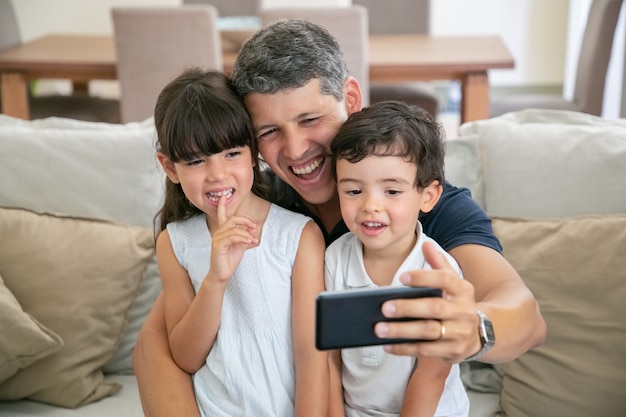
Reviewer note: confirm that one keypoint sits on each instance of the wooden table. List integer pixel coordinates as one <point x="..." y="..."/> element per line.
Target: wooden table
<point x="392" y="58"/>
<point x="396" y="58"/>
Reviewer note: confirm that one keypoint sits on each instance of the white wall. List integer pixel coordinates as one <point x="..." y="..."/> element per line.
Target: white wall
<point x="533" y="30"/>
<point x="37" y="17"/>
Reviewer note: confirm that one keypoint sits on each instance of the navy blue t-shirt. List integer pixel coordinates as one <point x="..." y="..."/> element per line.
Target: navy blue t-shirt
<point x="455" y="220"/>
<point x="458" y="220"/>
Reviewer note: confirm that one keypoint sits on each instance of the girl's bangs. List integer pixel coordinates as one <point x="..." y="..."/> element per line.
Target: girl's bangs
<point x="206" y="133"/>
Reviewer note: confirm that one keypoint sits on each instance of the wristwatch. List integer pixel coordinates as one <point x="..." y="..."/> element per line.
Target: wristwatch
<point x="486" y="334"/>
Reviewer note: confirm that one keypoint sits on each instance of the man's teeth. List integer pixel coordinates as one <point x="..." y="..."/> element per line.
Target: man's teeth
<point x="372" y="224"/>
<point x="216" y="196"/>
<point x="307" y="169"/>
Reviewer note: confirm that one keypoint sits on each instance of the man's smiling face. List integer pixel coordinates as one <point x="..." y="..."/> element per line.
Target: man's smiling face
<point x="294" y="129"/>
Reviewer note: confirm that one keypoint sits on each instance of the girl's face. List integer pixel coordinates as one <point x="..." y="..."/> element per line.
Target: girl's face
<point x="380" y="202"/>
<point x="207" y="178"/>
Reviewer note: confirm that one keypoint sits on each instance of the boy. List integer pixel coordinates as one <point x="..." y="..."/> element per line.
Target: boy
<point x="388" y="161"/>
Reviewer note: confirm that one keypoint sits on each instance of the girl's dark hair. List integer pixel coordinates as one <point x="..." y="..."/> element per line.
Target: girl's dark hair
<point x="392" y="128"/>
<point x="200" y="113"/>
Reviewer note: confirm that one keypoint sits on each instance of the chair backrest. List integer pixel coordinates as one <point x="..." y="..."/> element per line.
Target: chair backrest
<point x="397" y="16"/>
<point x="595" y="53"/>
<point x="154" y="45"/>
<point x="9" y="29"/>
<point x="349" y="25"/>
<point x="231" y="7"/>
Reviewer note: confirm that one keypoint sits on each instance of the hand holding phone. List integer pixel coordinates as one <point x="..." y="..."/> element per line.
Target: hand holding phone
<point x="346" y="319"/>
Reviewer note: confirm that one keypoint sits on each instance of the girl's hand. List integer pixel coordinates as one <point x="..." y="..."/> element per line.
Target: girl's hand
<point x="233" y="236"/>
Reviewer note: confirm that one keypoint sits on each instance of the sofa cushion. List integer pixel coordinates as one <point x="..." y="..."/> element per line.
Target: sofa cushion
<point x="24" y="340"/>
<point x="125" y="403"/>
<point x="78" y="278"/>
<point x="93" y="170"/>
<point x="576" y="268"/>
<point x="551" y="163"/>
<point x="85" y="169"/>
<point x="462" y="161"/>
<point x="150" y="287"/>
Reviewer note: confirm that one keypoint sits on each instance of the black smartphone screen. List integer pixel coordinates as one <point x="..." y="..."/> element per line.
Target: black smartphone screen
<point x="346" y="319"/>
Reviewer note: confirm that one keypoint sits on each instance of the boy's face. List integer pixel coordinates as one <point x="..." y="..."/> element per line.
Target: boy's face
<point x="294" y="129"/>
<point x="379" y="201"/>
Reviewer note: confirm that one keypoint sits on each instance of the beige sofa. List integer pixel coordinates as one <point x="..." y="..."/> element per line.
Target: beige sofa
<point x="78" y="281"/>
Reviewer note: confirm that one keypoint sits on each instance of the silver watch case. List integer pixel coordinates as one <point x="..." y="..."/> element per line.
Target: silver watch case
<point x="486" y="334"/>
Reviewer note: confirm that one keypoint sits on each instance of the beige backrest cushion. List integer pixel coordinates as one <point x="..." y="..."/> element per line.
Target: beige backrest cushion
<point x="576" y="268"/>
<point x="543" y="163"/>
<point x="70" y="167"/>
<point x="462" y="163"/>
<point x="24" y="340"/>
<point x="77" y="278"/>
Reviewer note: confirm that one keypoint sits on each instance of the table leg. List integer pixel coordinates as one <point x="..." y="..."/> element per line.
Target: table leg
<point x="474" y="97"/>
<point x="14" y="87"/>
<point x="80" y="87"/>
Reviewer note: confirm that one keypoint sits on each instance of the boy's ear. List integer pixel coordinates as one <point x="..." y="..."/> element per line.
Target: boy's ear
<point x="430" y="196"/>
<point x="168" y="167"/>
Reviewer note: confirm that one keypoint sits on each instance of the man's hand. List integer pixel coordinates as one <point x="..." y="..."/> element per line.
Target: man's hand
<point x="448" y="324"/>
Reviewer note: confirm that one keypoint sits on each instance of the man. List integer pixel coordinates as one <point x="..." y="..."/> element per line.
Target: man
<point x="298" y="90"/>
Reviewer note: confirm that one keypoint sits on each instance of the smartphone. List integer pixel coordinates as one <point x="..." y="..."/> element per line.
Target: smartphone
<point x="345" y="319"/>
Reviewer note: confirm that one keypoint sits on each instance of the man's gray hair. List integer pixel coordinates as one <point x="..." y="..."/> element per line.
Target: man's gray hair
<point x="288" y="54"/>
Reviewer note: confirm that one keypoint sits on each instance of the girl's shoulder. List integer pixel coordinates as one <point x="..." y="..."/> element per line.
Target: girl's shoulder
<point x="193" y="222"/>
<point x="283" y="228"/>
<point x="192" y="231"/>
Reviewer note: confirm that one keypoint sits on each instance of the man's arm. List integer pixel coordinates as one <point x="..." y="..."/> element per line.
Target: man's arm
<point x="491" y="285"/>
<point x="501" y="294"/>
<point x="165" y="390"/>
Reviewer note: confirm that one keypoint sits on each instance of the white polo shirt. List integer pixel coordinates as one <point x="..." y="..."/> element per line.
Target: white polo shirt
<point x="374" y="381"/>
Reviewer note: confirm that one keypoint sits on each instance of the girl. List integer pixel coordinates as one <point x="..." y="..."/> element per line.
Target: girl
<point x="240" y="274"/>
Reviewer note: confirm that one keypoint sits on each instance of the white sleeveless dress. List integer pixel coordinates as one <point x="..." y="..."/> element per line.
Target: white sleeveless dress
<point x="250" y="370"/>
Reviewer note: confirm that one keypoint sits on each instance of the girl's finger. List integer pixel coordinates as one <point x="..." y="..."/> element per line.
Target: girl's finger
<point x="221" y="210"/>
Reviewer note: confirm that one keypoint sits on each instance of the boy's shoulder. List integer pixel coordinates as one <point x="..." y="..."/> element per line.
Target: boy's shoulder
<point x="425" y="238"/>
<point x="341" y="246"/>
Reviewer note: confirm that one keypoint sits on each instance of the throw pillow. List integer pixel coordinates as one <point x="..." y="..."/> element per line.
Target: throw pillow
<point x="24" y="340"/>
<point x="86" y="169"/>
<point x="576" y="268"/>
<point x="150" y="288"/>
<point x="78" y="278"/>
